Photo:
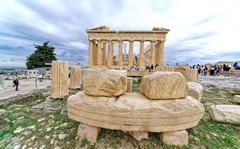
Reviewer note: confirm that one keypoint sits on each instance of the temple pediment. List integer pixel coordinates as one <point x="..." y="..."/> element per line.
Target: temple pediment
<point x="99" y="28"/>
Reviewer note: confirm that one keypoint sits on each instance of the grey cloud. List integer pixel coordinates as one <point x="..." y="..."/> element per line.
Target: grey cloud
<point x="69" y="20"/>
<point x="205" y="20"/>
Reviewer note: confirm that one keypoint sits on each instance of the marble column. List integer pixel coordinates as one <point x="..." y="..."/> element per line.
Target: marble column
<point x="99" y="53"/>
<point x="95" y="52"/>
<point x="90" y="53"/>
<point x="120" y="53"/>
<point x="110" y="53"/>
<point x="104" y="58"/>
<point x="141" y="54"/>
<point x="153" y="52"/>
<point x="130" y="54"/>
<point x="59" y="82"/>
<point x="161" y="53"/>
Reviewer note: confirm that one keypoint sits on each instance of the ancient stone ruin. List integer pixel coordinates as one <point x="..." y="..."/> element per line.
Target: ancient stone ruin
<point x="101" y="37"/>
<point x="75" y="77"/>
<point x="59" y="83"/>
<point x="163" y="105"/>
<point x="168" y="101"/>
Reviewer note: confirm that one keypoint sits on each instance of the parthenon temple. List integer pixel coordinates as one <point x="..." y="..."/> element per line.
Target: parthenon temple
<point x="102" y="39"/>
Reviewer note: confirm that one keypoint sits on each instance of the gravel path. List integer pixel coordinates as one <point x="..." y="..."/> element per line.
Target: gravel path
<point x="26" y="86"/>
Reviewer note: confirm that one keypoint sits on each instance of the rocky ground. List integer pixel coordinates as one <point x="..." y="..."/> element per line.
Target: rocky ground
<point x="221" y="82"/>
<point x="40" y="122"/>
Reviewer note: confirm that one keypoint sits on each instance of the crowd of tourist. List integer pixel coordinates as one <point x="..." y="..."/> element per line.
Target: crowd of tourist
<point x="150" y="68"/>
<point x="203" y="70"/>
<point x="212" y="70"/>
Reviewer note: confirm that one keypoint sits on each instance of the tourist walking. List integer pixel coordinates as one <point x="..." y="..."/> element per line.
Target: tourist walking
<point x="226" y="70"/>
<point x="211" y="71"/>
<point x="205" y="70"/>
<point x="16" y="84"/>
<point x="202" y="71"/>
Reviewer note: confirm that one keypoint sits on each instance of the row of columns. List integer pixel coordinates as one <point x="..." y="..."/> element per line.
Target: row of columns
<point x="97" y="53"/>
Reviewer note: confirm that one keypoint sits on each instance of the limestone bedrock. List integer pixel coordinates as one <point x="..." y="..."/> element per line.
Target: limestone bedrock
<point x="100" y="82"/>
<point x="164" y="85"/>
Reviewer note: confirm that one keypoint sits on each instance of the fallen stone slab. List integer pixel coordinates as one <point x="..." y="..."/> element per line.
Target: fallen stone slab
<point x="164" y="85"/>
<point x="177" y="138"/>
<point x="225" y="113"/>
<point x="102" y="82"/>
<point x="135" y="112"/>
<point x="195" y="90"/>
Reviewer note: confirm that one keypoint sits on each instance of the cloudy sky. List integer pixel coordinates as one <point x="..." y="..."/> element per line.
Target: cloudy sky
<point x="201" y="30"/>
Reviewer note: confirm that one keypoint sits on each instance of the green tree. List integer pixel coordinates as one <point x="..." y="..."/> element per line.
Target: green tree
<point x="43" y="54"/>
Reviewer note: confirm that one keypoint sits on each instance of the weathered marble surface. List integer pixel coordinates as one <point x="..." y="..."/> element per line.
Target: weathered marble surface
<point x="88" y="132"/>
<point x="190" y="74"/>
<point x="59" y="82"/>
<point x="177" y="138"/>
<point x="195" y="90"/>
<point x="104" y="82"/>
<point x="129" y="85"/>
<point x="135" y="112"/>
<point x="75" y="77"/>
<point x="164" y="85"/>
<point x="225" y="113"/>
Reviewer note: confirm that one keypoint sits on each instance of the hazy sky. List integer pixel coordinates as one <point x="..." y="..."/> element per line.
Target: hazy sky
<point x="201" y="30"/>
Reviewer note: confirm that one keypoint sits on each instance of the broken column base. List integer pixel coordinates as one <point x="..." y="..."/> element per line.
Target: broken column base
<point x="129" y="85"/>
<point x="139" y="135"/>
<point x="88" y="132"/>
<point x="176" y="138"/>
